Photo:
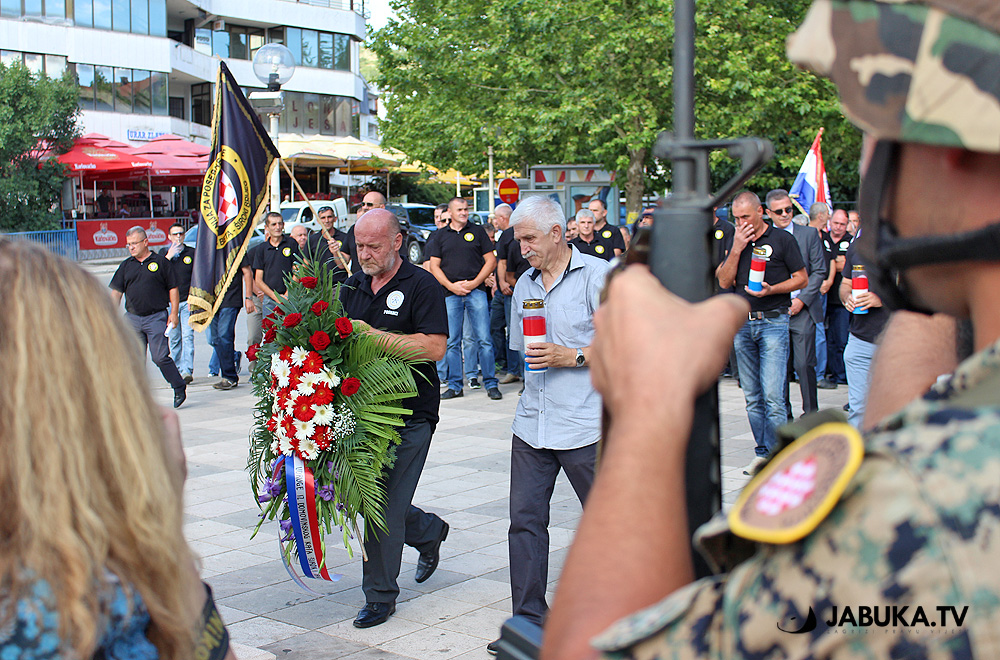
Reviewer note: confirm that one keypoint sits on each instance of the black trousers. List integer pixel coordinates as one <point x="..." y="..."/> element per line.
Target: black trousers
<point x="802" y="357"/>
<point x="407" y="524"/>
<point x="533" y="475"/>
<point x="150" y="329"/>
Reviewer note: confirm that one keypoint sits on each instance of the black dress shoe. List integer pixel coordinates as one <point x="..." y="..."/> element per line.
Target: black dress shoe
<point x="180" y="394"/>
<point x="373" y="614"/>
<point x="826" y="385"/>
<point x="427" y="563"/>
<point x="493" y="647"/>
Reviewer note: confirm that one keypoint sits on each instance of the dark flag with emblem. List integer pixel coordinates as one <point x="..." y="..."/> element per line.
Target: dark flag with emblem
<point x="234" y="193"/>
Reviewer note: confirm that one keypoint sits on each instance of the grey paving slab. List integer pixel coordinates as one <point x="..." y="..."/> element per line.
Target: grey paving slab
<point x="466" y="480"/>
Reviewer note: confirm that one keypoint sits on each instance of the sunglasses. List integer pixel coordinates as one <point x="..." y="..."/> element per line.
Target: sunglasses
<point x="788" y="209"/>
<point x="367" y="204"/>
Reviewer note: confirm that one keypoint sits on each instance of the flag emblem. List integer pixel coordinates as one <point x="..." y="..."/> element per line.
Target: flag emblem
<point x="228" y="206"/>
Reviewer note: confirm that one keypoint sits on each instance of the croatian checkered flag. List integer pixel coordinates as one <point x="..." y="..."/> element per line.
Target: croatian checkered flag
<point x="233" y="194"/>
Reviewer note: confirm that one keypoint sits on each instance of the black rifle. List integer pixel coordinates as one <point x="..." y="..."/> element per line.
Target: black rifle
<point x="680" y="256"/>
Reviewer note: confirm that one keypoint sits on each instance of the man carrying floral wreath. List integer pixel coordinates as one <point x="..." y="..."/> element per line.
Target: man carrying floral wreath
<point x="403" y="306"/>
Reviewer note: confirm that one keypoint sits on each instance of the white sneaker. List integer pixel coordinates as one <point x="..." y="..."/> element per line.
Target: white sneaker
<point x="754" y="465"/>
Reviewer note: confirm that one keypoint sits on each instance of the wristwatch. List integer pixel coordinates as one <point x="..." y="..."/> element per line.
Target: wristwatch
<point x="579" y="357"/>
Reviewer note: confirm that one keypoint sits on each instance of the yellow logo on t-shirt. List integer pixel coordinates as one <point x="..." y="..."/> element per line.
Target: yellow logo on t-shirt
<point x="606" y="233"/>
<point x="287" y="252"/>
<point x="153" y="267"/>
<point x="469" y="237"/>
<point x="187" y="260"/>
<point x="599" y="249"/>
<point x="718" y="234"/>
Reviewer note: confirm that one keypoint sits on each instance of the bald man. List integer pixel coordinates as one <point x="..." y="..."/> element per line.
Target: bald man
<point x="403" y="307"/>
<point x="372" y="200"/>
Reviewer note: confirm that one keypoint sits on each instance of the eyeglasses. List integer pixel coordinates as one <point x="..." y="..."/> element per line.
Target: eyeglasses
<point x="176" y="233"/>
<point x="788" y="209"/>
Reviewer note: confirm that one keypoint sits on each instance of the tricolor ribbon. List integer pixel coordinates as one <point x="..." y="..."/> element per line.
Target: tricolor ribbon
<point x="301" y="489"/>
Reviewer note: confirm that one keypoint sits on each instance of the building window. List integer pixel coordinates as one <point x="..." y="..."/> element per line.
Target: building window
<point x="140" y="16"/>
<point x="10" y="8"/>
<point x="83" y="13"/>
<point x="47" y="8"/>
<point x="201" y="103"/>
<point x="85" y="83"/>
<point x="141" y="100"/>
<point x="293" y="41"/>
<point x="55" y="66"/>
<point x="123" y="90"/>
<point x="158" y="18"/>
<point x="341" y="52"/>
<point x="176" y="106"/>
<point x="121" y="16"/>
<point x="102" y="14"/>
<point x="103" y="76"/>
<point x="34" y="62"/>
<point x="310" y="48"/>
<point x="158" y="90"/>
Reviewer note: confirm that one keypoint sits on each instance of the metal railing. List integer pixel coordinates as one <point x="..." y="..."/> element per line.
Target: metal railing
<point x="61" y="241"/>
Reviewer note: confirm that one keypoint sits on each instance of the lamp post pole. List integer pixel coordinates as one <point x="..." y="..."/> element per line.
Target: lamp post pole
<point x="273" y="65"/>
<point x="489" y="153"/>
<point x="276" y="174"/>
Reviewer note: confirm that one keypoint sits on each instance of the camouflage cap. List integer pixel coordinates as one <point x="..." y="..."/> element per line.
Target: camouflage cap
<point x="910" y="71"/>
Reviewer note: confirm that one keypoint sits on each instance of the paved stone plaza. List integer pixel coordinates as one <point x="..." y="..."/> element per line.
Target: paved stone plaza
<point x="452" y="615"/>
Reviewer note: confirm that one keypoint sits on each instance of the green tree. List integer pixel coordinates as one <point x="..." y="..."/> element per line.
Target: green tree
<point x="591" y="81"/>
<point x="37" y="114"/>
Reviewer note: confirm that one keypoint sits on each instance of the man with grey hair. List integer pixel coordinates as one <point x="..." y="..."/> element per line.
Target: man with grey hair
<point x="147" y="281"/>
<point x="558" y="419"/>
<point x="510" y="266"/>
<point x="588" y="241"/>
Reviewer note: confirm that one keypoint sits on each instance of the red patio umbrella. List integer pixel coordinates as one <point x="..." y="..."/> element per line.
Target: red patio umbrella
<point x="173" y="145"/>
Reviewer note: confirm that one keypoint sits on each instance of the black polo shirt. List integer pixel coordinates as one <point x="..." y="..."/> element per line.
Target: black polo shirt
<point x="461" y="252"/>
<point x="864" y="326"/>
<point x="835" y="249"/>
<point x="509" y="248"/>
<point x="146" y="284"/>
<point x="411" y="302"/>
<point x="613" y="234"/>
<point x="275" y="261"/>
<point x="784" y="258"/>
<point x="317" y="245"/>
<point x="600" y="247"/>
<point x="183" y="264"/>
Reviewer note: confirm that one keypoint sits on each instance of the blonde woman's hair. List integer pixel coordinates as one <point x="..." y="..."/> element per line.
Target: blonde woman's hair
<point x="87" y="484"/>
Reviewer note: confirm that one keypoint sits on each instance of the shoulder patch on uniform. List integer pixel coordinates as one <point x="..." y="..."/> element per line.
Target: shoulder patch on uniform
<point x="599" y="249"/>
<point x="792" y="495"/>
<point x="187" y="259"/>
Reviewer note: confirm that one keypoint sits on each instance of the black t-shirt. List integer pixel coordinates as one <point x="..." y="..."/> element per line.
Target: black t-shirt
<point x="409" y="303"/>
<point x="783" y="259"/>
<point x="835" y="249"/>
<point x="183" y="264"/>
<point x="864" y="326"/>
<point x="599" y="246"/>
<point x="461" y="252"/>
<point x="233" y="297"/>
<point x="509" y="248"/>
<point x="275" y="261"/>
<point x="722" y="241"/>
<point x="317" y="245"/>
<point x="613" y="234"/>
<point x="146" y="284"/>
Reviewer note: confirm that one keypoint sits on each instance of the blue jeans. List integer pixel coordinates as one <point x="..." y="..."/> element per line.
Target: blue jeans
<point x="762" y="355"/>
<point x="479" y="319"/>
<point x="470" y="359"/>
<point x="821" y="342"/>
<point x="182" y="342"/>
<point x="858" y="360"/>
<point x="838" y="324"/>
<point x="223" y="327"/>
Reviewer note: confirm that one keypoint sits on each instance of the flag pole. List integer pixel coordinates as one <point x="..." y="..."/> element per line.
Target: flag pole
<point x="339" y="258"/>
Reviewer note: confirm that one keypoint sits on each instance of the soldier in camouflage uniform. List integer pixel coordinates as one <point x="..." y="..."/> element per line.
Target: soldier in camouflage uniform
<point x="904" y="561"/>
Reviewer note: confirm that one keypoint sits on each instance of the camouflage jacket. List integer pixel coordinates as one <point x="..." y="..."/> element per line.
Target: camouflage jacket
<point x="917" y="528"/>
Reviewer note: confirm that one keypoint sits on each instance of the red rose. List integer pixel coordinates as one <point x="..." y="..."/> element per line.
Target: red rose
<point x="269" y="336"/>
<point x="252" y="352"/>
<point x="344" y="326"/>
<point x="268" y="323"/>
<point x="350" y="386"/>
<point x="277" y="312"/>
<point x="322" y="395"/>
<point x="319" y="340"/>
<point x="319" y="307"/>
<point x="309" y="282"/>
<point x="292" y="320"/>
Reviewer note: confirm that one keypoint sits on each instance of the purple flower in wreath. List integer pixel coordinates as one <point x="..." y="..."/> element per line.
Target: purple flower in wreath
<point x="272" y="488"/>
<point x="286" y="527"/>
<point x="326" y="493"/>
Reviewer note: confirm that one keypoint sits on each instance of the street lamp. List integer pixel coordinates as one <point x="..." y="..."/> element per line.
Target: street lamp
<point x="273" y="65"/>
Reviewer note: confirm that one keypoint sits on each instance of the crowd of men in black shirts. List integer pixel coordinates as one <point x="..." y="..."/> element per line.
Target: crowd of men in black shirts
<point x="806" y="322"/>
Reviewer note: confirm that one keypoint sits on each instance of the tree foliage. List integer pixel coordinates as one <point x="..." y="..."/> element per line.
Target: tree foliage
<point x="35" y="113"/>
<point x="582" y="81"/>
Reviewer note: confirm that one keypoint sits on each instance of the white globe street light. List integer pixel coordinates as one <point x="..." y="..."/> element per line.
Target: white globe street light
<point x="273" y="65"/>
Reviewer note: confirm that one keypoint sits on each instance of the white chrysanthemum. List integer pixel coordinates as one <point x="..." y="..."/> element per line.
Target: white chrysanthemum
<point x="299" y="356"/>
<point x="311" y="379"/>
<point x="275" y="447"/>
<point x="308" y="449"/>
<point x="282" y="371"/>
<point x="275" y="408"/>
<point x="304" y="430"/>
<point x="324" y="415"/>
<point x="286" y="447"/>
<point x="343" y="423"/>
<point x="329" y="377"/>
<point x="304" y="388"/>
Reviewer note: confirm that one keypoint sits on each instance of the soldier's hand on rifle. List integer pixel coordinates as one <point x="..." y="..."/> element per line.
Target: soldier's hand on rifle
<point x="674" y="348"/>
